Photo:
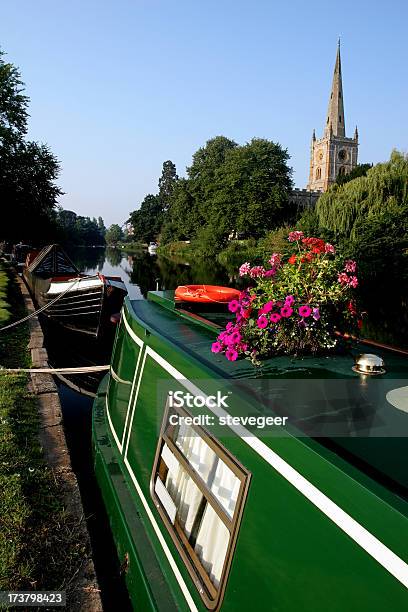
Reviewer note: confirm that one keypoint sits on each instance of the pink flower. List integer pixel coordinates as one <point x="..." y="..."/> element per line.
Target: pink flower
<point x="266" y="308"/>
<point x="216" y="347"/>
<point x="305" y="311"/>
<point x="286" y="311"/>
<point x="223" y="336"/>
<point x="329" y="248"/>
<point x="262" y="322"/>
<point x="275" y="260"/>
<point x="316" y="314"/>
<point x="257" y="271"/>
<point x="295" y="236"/>
<point x="270" y="273"/>
<point x="343" y="278"/>
<point x="350" y="266"/>
<point x="353" y="282"/>
<point x="289" y="300"/>
<point x="231" y="354"/>
<point x="275" y="317"/>
<point x="235" y="337"/>
<point x="233" y="306"/>
<point x="229" y="327"/>
<point x="244" y="269"/>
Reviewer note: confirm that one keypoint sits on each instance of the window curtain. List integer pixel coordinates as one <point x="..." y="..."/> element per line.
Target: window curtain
<point x="212" y="544"/>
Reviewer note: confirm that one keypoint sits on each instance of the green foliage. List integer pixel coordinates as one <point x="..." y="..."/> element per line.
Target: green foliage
<point x="79" y="231"/>
<point x="28" y="170"/>
<point x="4" y="306"/>
<point x="275" y="241"/>
<point x="13" y="103"/>
<point x="383" y="188"/>
<point x="114" y="234"/>
<point x="359" y="170"/>
<point x="167" y="182"/>
<point x="148" y="220"/>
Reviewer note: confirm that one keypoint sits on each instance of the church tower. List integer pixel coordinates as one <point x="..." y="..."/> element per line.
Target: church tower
<point x="334" y="154"/>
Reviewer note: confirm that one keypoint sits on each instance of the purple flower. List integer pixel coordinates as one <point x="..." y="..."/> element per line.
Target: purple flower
<point x="289" y="300"/>
<point x="233" y="306"/>
<point x="305" y="311"/>
<point x="295" y="236"/>
<point x="216" y="347"/>
<point x="262" y="322"/>
<point x="275" y="317"/>
<point x="286" y="311"/>
<point x="244" y="269"/>
<point x="231" y="354"/>
<point x="316" y="314"/>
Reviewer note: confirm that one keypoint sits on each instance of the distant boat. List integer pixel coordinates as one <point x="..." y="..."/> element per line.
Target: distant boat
<point x="86" y="303"/>
<point x="152" y="248"/>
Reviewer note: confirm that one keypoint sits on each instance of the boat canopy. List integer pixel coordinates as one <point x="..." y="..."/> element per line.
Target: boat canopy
<point x="52" y="261"/>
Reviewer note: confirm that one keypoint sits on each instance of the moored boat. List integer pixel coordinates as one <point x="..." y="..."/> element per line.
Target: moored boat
<point x="214" y="507"/>
<point x="80" y="302"/>
<point x="152" y="248"/>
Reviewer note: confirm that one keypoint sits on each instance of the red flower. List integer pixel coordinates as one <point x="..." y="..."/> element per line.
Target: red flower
<point x="246" y="313"/>
<point x="317" y="245"/>
<point x="292" y="259"/>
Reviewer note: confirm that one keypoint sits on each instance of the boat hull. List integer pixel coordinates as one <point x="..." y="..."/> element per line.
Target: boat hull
<point x="315" y="534"/>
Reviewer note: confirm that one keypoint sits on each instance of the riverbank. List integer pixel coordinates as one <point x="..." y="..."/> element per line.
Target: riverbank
<point x="42" y="543"/>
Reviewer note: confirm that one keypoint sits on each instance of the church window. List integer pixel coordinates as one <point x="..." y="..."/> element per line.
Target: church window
<point x="342" y="171"/>
<point x="318" y="174"/>
<point x="340" y="118"/>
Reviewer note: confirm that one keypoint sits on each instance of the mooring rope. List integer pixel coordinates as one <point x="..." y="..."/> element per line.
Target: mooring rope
<point x="36" y="312"/>
<point x="79" y="370"/>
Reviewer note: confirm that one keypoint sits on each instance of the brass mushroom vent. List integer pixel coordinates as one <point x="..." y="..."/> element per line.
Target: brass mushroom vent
<point x="370" y="364"/>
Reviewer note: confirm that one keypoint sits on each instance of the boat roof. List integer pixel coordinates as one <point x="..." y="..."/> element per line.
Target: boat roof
<point x="194" y="331"/>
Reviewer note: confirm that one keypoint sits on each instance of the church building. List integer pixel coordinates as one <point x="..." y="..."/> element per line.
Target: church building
<point x="333" y="154"/>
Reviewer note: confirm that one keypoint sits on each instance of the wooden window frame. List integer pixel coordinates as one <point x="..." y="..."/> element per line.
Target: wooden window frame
<point x="211" y="596"/>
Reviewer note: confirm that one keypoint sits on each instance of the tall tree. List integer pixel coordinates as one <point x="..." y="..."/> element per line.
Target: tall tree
<point x="167" y="182"/>
<point x="28" y="170"/>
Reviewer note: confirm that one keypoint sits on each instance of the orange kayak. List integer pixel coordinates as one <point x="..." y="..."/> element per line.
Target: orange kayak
<point x="206" y="294"/>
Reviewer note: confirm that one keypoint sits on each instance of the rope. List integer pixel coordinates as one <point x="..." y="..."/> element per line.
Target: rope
<point x="83" y="370"/>
<point x="36" y="312"/>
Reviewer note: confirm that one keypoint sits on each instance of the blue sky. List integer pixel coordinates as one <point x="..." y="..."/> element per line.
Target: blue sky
<point x="117" y="87"/>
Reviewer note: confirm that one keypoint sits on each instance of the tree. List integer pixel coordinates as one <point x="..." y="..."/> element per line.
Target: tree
<point x="13" y="103"/>
<point x="28" y="170"/>
<point x="148" y="219"/>
<point x="359" y="170"/>
<point x="167" y="182"/>
<point x="101" y="227"/>
<point x="113" y="234"/>
<point x="384" y="187"/>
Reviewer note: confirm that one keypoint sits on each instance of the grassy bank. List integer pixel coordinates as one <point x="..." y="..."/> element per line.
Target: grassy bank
<point x="39" y="548"/>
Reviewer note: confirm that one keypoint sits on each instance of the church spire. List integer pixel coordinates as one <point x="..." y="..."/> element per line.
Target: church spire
<point x="335" y="123"/>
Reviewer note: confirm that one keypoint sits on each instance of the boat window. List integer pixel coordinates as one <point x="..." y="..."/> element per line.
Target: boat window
<point x="199" y="490"/>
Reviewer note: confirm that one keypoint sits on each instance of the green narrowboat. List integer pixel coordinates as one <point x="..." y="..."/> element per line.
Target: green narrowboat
<point x="234" y="488"/>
